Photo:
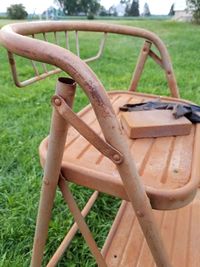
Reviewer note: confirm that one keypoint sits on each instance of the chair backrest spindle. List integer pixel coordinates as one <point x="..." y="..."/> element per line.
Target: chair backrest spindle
<point x="77" y="44"/>
<point x="67" y="40"/>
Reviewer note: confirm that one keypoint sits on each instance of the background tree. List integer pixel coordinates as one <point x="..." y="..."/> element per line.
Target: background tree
<point x="126" y="2"/>
<point x="171" y="11"/>
<point x="146" y="11"/>
<point x="16" y="11"/>
<point x="127" y="5"/>
<point x="89" y="6"/>
<point x="112" y="11"/>
<point x="132" y="9"/>
<point x="73" y="7"/>
<point x="103" y="11"/>
<point x="194" y="7"/>
<point x="69" y="7"/>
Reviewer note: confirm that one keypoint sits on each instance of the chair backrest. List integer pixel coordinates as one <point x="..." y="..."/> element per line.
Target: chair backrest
<point x="66" y="35"/>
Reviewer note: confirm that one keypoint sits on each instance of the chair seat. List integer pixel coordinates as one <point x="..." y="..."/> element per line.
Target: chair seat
<point x="126" y="246"/>
<point x="168" y="166"/>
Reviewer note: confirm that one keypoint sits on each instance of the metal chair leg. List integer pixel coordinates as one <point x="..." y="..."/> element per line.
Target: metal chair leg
<point x="71" y="233"/>
<point x="58" y="132"/>
<point x="79" y="219"/>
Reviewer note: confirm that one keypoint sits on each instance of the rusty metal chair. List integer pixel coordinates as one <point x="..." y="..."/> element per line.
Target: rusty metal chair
<point x="91" y="150"/>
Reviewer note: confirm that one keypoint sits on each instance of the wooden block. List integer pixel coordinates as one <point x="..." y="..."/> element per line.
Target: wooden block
<point x="154" y="123"/>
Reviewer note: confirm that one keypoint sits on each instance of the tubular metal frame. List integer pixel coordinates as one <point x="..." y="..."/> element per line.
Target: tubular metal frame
<point x="15" y="39"/>
<point x="18" y="33"/>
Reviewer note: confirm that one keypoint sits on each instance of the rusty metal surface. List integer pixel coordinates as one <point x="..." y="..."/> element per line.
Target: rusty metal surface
<point x="83" y="227"/>
<point x="88" y="133"/>
<point x="71" y="233"/>
<point x="170" y="183"/>
<point x="14" y="38"/>
<point x="140" y="65"/>
<point x="46" y="73"/>
<point x="126" y="246"/>
<point x="66" y="88"/>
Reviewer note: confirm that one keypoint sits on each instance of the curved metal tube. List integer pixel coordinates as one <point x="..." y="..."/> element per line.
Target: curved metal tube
<point x="12" y="38"/>
<point x="31" y="28"/>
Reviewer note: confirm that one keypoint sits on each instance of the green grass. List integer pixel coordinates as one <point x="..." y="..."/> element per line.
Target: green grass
<point x="24" y="121"/>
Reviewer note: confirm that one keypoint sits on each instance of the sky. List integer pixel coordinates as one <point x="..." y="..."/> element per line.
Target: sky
<point x="156" y="6"/>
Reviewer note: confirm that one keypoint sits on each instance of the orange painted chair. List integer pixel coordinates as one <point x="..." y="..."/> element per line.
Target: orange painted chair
<point x="156" y="178"/>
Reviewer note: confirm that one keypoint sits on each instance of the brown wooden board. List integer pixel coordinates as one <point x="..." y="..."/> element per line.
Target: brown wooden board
<point x="154" y="123"/>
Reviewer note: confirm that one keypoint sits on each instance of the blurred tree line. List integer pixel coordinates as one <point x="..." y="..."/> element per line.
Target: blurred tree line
<point x="194" y="7"/>
<point x="77" y="7"/>
<point x="92" y="7"/>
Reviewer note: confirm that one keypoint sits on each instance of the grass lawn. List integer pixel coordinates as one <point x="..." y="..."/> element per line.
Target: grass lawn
<point x="24" y="122"/>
